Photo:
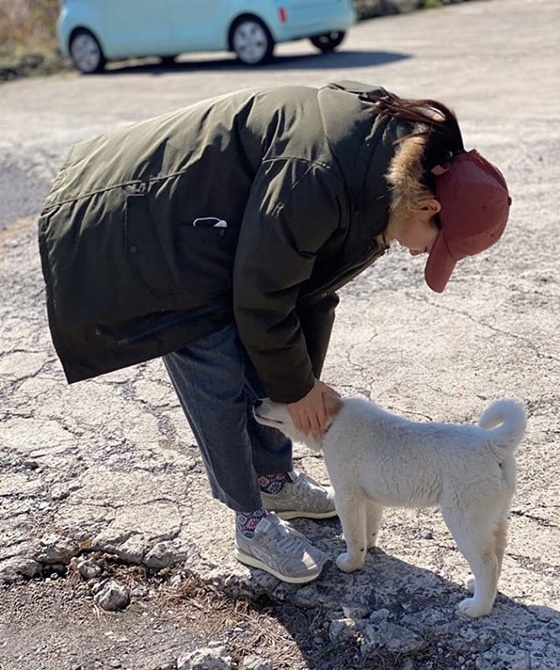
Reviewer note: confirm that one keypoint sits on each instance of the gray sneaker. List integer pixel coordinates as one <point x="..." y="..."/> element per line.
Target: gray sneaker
<point x="279" y="549"/>
<point x="301" y="497"/>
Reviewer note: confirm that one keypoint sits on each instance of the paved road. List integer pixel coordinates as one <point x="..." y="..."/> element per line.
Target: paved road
<point x="495" y="62"/>
<point x="111" y="462"/>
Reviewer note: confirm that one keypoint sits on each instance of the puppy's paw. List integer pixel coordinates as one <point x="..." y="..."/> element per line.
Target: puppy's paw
<point x="470" y="584"/>
<point x="346" y="564"/>
<point x="469" y="607"/>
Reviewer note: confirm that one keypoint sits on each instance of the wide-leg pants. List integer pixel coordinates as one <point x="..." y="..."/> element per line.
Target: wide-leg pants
<point x="217" y="387"/>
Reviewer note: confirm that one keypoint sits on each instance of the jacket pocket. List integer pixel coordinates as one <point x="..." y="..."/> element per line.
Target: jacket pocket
<point x="205" y="258"/>
<point x="144" y="249"/>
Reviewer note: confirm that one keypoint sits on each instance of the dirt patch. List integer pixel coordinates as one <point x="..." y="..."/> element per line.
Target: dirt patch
<point x="54" y="624"/>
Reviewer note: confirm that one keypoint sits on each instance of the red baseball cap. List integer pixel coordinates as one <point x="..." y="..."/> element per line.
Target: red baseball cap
<point x="474" y="211"/>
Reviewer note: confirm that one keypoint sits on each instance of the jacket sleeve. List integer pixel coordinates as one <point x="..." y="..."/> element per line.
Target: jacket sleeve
<point x="292" y="210"/>
<point x="317" y="321"/>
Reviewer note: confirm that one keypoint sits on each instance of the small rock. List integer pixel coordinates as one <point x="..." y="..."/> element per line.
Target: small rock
<point x="112" y="597"/>
<point x="205" y="658"/>
<point x="164" y="554"/>
<point x="127" y="545"/>
<point x="254" y="662"/>
<point x="133" y="550"/>
<point x="88" y="568"/>
<point x="8" y="575"/>
<point x="342" y="630"/>
<point x="15" y="568"/>
<point x="379" y="615"/>
<point x="391" y="637"/>
<point x="356" y="611"/>
<point x="140" y="591"/>
<point x="432" y="621"/>
<point x="306" y="596"/>
<point x="56" y="549"/>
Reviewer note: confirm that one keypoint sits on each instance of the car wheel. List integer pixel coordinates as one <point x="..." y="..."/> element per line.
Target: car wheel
<point x="168" y="61"/>
<point x="329" y="41"/>
<point x="86" y="52"/>
<point x="251" y="41"/>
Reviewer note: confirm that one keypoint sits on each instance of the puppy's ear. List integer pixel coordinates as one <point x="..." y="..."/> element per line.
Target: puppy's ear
<point x="333" y="404"/>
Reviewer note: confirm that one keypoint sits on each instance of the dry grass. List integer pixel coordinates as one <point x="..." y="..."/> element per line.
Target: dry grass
<point x="28" y="34"/>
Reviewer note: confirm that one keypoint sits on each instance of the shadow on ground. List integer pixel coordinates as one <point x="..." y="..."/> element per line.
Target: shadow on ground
<point x="393" y="614"/>
<point x="338" y="60"/>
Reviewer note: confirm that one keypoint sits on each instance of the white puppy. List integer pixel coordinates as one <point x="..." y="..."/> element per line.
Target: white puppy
<point x="376" y="459"/>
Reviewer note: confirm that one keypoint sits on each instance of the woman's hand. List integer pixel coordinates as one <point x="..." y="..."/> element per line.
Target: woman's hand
<point x="309" y="414"/>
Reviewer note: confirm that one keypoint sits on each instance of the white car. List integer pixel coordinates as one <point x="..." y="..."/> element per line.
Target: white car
<point x="92" y="32"/>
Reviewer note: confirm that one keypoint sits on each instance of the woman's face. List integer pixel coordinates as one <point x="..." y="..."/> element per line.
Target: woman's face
<point x="417" y="231"/>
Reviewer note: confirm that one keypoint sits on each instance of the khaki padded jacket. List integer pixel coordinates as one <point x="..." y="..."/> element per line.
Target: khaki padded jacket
<point x="136" y="267"/>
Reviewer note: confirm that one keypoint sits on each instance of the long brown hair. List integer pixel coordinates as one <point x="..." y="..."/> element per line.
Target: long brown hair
<point x="433" y="122"/>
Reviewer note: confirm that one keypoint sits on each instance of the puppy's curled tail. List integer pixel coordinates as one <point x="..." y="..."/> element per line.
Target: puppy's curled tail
<point x="507" y="420"/>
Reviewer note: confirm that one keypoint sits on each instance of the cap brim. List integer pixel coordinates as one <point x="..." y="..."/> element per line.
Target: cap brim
<point x="439" y="266"/>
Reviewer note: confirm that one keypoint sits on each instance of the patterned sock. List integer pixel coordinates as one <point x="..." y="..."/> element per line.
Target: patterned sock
<point x="273" y="484"/>
<point x="248" y="521"/>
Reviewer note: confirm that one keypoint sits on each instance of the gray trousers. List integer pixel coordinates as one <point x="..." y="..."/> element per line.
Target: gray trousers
<point x="217" y="387"/>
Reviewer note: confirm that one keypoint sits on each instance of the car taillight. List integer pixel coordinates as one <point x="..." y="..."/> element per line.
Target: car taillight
<point x="282" y="14"/>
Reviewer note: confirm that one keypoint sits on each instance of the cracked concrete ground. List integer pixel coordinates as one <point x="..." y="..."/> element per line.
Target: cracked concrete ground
<point x="109" y="465"/>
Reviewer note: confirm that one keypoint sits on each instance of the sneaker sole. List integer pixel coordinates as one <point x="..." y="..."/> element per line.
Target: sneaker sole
<point x="296" y="514"/>
<point x="253" y="562"/>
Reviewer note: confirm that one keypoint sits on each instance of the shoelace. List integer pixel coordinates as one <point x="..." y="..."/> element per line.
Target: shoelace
<point x="283" y="539"/>
<point x="313" y="488"/>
